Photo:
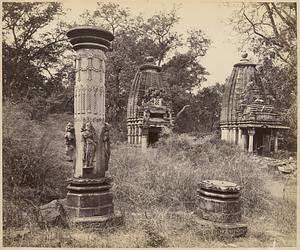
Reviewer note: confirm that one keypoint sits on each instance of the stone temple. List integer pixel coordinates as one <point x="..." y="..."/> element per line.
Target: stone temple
<point x="248" y="116"/>
<point x="149" y="106"/>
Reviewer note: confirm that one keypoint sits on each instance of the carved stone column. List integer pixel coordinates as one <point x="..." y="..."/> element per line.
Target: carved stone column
<point x="229" y="135"/>
<point x="131" y="134"/>
<point x="140" y="135"/>
<point x="128" y="134"/>
<point x="240" y="139"/>
<point x="275" y="141"/>
<point x="89" y="199"/>
<point x="243" y="141"/>
<point x="226" y="134"/>
<point x="135" y="134"/>
<point x="251" y="133"/>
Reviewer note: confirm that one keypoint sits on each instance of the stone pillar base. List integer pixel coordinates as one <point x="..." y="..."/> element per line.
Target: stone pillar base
<point x="90" y="202"/>
<point x="219" y="208"/>
<point x="222" y="230"/>
<point x="114" y="219"/>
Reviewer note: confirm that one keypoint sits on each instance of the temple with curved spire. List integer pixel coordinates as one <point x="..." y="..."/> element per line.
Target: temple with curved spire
<point x="149" y="105"/>
<point x="248" y="116"/>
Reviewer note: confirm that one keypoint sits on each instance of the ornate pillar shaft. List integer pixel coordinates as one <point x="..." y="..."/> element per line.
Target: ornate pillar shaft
<point x="89" y="98"/>
<point x="89" y="199"/>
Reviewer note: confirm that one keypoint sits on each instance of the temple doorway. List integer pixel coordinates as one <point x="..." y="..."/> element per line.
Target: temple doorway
<point x="153" y="135"/>
<point x="258" y="141"/>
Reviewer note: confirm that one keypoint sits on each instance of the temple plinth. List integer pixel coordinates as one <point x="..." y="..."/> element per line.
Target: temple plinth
<point x="149" y="106"/>
<point x="89" y="199"/>
<point x="248" y="116"/>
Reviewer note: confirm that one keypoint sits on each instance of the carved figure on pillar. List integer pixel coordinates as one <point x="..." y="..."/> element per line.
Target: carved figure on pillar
<point x="89" y="140"/>
<point x="70" y="141"/>
<point x="106" y="141"/>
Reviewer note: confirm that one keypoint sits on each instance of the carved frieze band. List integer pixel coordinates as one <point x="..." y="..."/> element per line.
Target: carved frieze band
<point x="89" y="100"/>
<point x="90" y="61"/>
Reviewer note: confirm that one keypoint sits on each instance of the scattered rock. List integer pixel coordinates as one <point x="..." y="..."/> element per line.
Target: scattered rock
<point x="285" y="169"/>
<point x="54" y="214"/>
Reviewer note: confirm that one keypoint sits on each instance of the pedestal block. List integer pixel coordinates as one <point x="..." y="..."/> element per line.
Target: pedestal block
<point x="219" y="202"/>
<point x="91" y="199"/>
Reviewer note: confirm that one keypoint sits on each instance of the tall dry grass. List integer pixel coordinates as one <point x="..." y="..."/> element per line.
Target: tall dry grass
<point x="167" y="176"/>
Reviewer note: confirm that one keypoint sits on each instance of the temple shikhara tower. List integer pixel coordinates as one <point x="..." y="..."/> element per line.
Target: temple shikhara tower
<point x="248" y="116"/>
<point x="149" y="106"/>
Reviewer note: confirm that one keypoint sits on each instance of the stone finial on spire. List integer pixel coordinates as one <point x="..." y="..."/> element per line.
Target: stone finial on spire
<point x="149" y="59"/>
<point x="244" y="54"/>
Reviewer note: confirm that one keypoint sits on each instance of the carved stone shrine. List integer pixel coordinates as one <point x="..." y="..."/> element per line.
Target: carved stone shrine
<point x="219" y="202"/>
<point x="248" y="116"/>
<point x="149" y="106"/>
<point x="89" y="199"/>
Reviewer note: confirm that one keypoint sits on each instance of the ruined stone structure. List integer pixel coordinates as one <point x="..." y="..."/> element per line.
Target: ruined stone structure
<point x="89" y="198"/>
<point x="219" y="203"/>
<point x="149" y="106"/>
<point x="248" y="116"/>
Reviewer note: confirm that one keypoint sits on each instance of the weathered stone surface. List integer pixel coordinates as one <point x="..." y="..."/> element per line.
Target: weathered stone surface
<point x="110" y="219"/>
<point x="91" y="131"/>
<point x="220" y="230"/>
<point x="219" y="206"/>
<point x="149" y="106"/>
<point x="89" y="200"/>
<point x="54" y="213"/>
<point x="219" y="201"/>
<point x="248" y="116"/>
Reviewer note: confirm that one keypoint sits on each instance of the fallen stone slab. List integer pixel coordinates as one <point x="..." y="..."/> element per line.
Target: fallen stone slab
<point x="54" y="214"/>
<point x="285" y="169"/>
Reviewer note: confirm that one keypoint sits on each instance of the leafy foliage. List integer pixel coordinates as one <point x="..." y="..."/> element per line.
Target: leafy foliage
<point x="269" y="29"/>
<point x="33" y="54"/>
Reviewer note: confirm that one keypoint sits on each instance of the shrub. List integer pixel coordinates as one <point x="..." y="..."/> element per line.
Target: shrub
<point x="32" y="170"/>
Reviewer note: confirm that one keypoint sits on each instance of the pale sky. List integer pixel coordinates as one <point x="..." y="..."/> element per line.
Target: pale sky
<point x="210" y="17"/>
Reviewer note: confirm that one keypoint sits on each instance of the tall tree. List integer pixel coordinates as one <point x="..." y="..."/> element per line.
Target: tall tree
<point x="270" y="29"/>
<point x="32" y="53"/>
<point x="160" y="29"/>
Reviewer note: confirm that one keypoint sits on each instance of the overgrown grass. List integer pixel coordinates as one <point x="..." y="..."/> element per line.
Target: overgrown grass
<point x="34" y="171"/>
<point x="168" y="175"/>
<point x="155" y="190"/>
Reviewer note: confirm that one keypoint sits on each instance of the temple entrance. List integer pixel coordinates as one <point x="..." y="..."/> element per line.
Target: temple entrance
<point x="258" y="141"/>
<point x="153" y="135"/>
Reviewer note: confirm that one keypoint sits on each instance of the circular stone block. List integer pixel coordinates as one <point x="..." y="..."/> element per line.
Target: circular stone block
<point x="219" y="201"/>
<point x="90" y="37"/>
